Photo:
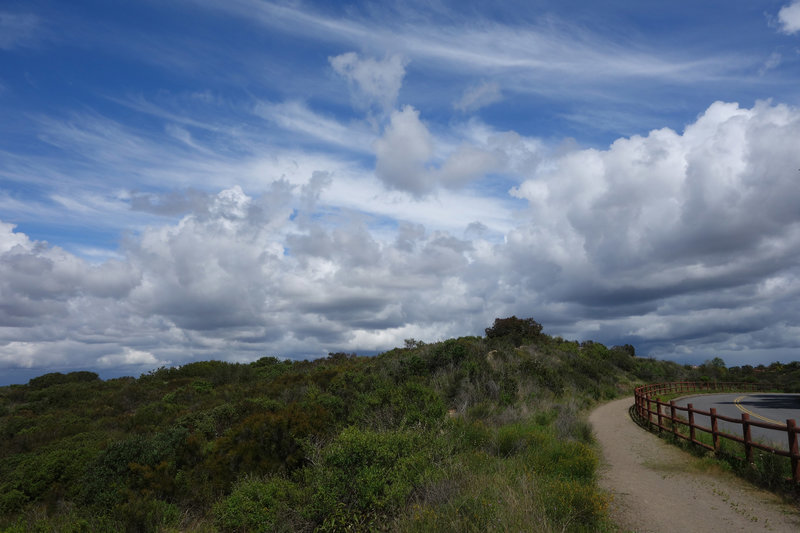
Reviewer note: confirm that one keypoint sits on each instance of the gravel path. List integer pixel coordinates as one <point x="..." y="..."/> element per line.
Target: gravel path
<point x="659" y="488"/>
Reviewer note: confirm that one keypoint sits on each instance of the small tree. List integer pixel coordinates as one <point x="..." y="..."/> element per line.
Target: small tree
<point x="517" y="330"/>
<point x="626" y="348"/>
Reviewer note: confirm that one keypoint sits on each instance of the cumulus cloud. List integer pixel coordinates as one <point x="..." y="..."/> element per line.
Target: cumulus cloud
<point x="406" y="157"/>
<point x="479" y="96"/>
<point x="789" y="17"/>
<point x="671" y="225"/>
<point x="376" y="82"/>
<point x="38" y="282"/>
<point x="684" y="243"/>
<point x="241" y="275"/>
<point x="403" y="151"/>
<point x="130" y="357"/>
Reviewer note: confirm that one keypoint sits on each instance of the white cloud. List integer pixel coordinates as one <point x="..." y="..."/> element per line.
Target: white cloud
<point x="376" y="82"/>
<point x="772" y="62"/>
<point x="568" y="55"/>
<point x="789" y="17"/>
<point x="403" y="151"/>
<point x="130" y="357"/>
<point x="670" y="225"/>
<point x="407" y="159"/>
<point x="297" y="117"/>
<point x="479" y="96"/>
<point x="18" y="30"/>
<point x="243" y="274"/>
<point x="726" y="181"/>
<point x="673" y="238"/>
<point x="10" y="238"/>
<point x="467" y="163"/>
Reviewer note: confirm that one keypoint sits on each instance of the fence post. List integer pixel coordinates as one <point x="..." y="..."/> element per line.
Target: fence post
<point x="672" y="417"/>
<point x="791" y="429"/>
<point x="748" y="441"/>
<point x="660" y="420"/>
<point x="691" y="422"/>
<point x="649" y="411"/>
<point x="714" y="429"/>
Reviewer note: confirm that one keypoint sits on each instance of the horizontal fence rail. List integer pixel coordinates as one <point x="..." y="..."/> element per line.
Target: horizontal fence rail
<point x="666" y="416"/>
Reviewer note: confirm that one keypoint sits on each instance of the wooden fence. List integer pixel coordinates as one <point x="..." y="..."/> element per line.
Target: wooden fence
<point x="664" y="416"/>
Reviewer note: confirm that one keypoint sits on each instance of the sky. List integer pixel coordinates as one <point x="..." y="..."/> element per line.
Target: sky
<point x="199" y="179"/>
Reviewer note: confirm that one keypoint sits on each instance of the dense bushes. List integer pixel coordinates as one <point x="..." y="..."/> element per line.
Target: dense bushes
<point x="57" y="378"/>
<point x="468" y="434"/>
<point x="144" y="462"/>
<point x="366" y="475"/>
<point x="262" y="504"/>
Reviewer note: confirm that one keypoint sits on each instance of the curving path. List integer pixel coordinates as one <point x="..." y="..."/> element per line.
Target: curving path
<point x="659" y="488"/>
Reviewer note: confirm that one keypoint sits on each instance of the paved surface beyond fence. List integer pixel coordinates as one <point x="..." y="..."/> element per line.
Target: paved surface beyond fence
<point x="689" y="422"/>
<point x="762" y="407"/>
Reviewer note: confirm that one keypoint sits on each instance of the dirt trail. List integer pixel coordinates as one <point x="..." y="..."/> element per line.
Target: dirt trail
<point x="660" y="488"/>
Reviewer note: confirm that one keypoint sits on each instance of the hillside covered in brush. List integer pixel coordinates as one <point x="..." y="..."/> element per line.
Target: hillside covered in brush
<point x="472" y="434"/>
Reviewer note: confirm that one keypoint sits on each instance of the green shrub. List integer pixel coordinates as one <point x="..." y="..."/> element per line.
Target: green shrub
<point x="413" y="366"/>
<point x="144" y="461"/>
<point x="365" y="475"/>
<point x="389" y="406"/>
<point x="12" y="501"/>
<point x="139" y="514"/>
<point x="573" y="505"/>
<point x="512" y="439"/>
<point x="257" y="504"/>
<point x="557" y="459"/>
<point x="419" y="405"/>
<point x="623" y="357"/>
<point x="211" y="423"/>
<point x="48" y="474"/>
<point x="202" y="386"/>
<point x="451" y="351"/>
<point x="57" y="378"/>
<point x="516" y="330"/>
<point x="471" y="434"/>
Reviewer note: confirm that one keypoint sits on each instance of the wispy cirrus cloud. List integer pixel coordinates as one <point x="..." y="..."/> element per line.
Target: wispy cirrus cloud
<point x="296" y="117"/>
<point x="526" y="50"/>
<point x="479" y="96"/>
<point x="19" y="30"/>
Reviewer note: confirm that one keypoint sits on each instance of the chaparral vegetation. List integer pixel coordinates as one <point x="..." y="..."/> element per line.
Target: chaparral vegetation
<point x="468" y="434"/>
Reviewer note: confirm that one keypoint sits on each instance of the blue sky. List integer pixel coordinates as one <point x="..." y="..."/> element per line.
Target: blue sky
<point x="198" y="179"/>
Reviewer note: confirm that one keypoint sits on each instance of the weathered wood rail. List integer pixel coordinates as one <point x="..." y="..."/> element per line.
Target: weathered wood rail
<point x="664" y="416"/>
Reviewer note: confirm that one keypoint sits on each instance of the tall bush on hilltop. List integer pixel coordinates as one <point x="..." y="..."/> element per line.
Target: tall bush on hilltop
<point x="517" y="330"/>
